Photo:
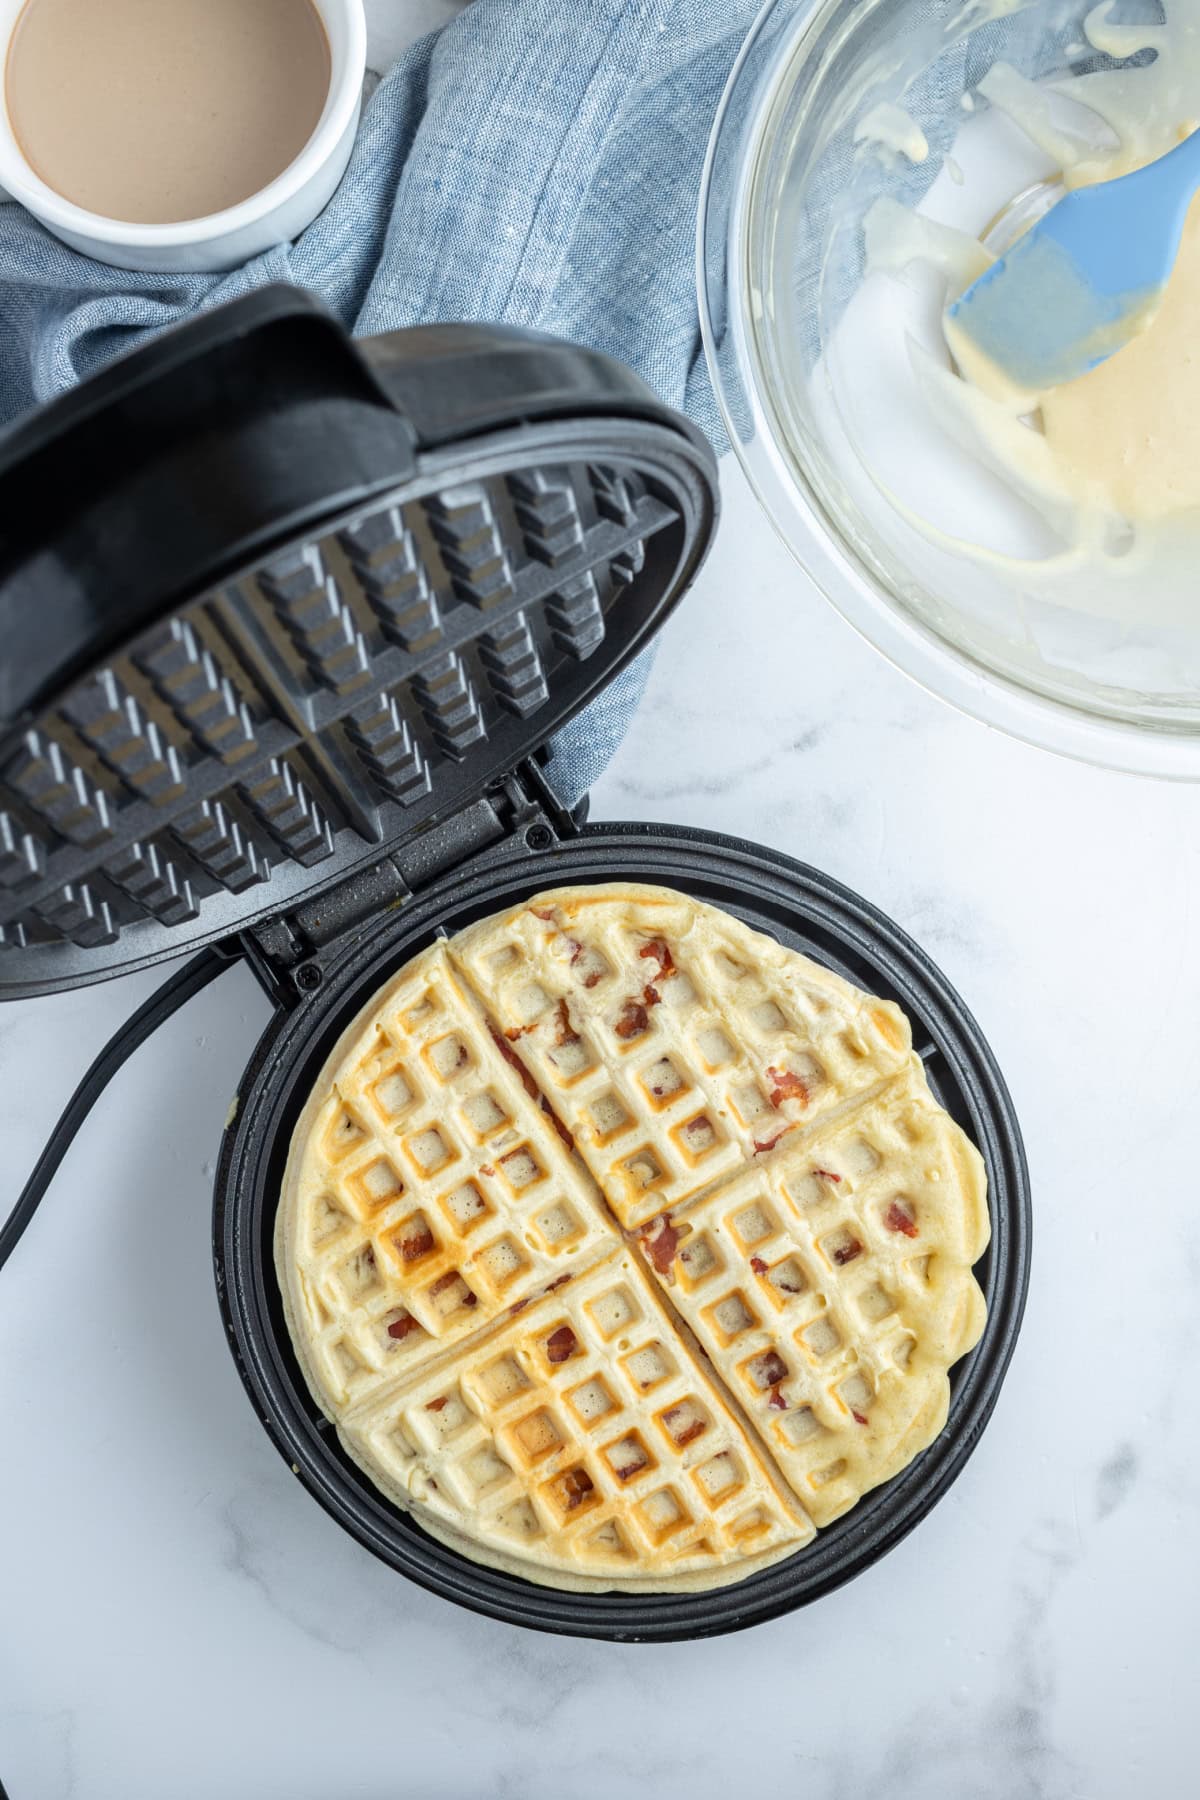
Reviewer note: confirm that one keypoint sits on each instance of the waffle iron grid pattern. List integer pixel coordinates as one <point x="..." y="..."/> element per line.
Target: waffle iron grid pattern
<point x="672" y="1076"/>
<point x="444" y="1201"/>
<point x="586" y="1439"/>
<point x="330" y="700"/>
<point x="823" y="1309"/>
<point x="819" y="1283"/>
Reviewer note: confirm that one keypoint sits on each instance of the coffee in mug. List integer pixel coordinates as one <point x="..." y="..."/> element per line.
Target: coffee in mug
<point x="154" y="111"/>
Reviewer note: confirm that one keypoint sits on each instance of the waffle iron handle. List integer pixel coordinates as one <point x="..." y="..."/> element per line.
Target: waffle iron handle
<point x="242" y="354"/>
<point x="174" y="467"/>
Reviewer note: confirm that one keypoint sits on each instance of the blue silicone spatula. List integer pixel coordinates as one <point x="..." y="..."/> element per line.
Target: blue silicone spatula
<point x="1085" y="279"/>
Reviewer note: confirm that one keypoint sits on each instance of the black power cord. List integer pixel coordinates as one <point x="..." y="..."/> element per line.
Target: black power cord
<point x="181" y="986"/>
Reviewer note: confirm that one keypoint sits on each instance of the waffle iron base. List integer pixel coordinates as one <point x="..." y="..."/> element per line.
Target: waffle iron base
<point x="803" y="909"/>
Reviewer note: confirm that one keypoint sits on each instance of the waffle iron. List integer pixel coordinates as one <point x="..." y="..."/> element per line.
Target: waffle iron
<point x="289" y="622"/>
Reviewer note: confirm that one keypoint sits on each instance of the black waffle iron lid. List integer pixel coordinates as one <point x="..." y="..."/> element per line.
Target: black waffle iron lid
<point x="273" y="603"/>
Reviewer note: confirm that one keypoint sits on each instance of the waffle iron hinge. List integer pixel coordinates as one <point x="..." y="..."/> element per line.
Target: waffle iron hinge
<point x="290" y="953"/>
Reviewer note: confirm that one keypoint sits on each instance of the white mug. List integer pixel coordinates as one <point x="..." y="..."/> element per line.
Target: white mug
<point x="276" y="214"/>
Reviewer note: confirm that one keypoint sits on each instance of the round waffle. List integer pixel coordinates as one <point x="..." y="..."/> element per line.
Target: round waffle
<point x="625" y="1247"/>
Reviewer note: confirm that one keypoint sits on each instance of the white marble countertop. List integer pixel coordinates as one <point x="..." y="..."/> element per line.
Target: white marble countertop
<point x="180" y="1619"/>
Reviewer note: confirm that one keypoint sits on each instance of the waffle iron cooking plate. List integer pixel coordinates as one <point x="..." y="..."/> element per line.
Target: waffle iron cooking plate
<point x="289" y="622"/>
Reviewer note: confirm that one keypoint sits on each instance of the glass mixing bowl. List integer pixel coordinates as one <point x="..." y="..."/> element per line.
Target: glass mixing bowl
<point x="822" y="367"/>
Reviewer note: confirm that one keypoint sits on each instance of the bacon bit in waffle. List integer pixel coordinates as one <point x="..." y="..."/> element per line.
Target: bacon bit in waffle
<point x="699" y="1132"/>
<point x="517" y="1306"/>
<point x="578" y="950"/>
<point x="486" y="1169"/>
<point x="847" y="1252"/>
<point x="660" y="1243"/>
<point x="400" y="1328"/>
<point x="758" y="1265"/>
<point x="777" y="1400"/>
<point x="513" y="1060"/>
<point x="368" y="1255"/>
<point x="577" y="1485"/>
<point x="556" y="1283"/>
<point x="629" y="1469"/>
<point x="435" y="1405"/>
<point x="859" y="1416"/>
<point x="448" y="1280"/>
<point x="567" y="1033"/>
<point x="462" y="1059"/>
<point x="896" y="1219"/>
<point x="557" y="1123"/>
<point x="420" y="1243"/>
<point x="538" y="913"/>
<point x="771" y="1369"/>
<point x="560" y="1344"/>
<point x="786" y="1086"/>
<point x="513" y="1032"/>
<point x="762" y="1145"/>
<point x="660" y="951"/>
<point x="633" y="1020"/>
<point x="786" y="1287"/>
<point x="690" y="1431"/>
<point x="826" y="1175"/>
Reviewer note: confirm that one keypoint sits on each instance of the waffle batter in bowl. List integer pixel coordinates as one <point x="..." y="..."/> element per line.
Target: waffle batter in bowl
<point x="625" y="1247"/>
<point x="1029" y="556"/>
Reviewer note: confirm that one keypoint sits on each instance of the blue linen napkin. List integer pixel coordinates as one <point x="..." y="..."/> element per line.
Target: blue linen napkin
<point x="536" y="163"/>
